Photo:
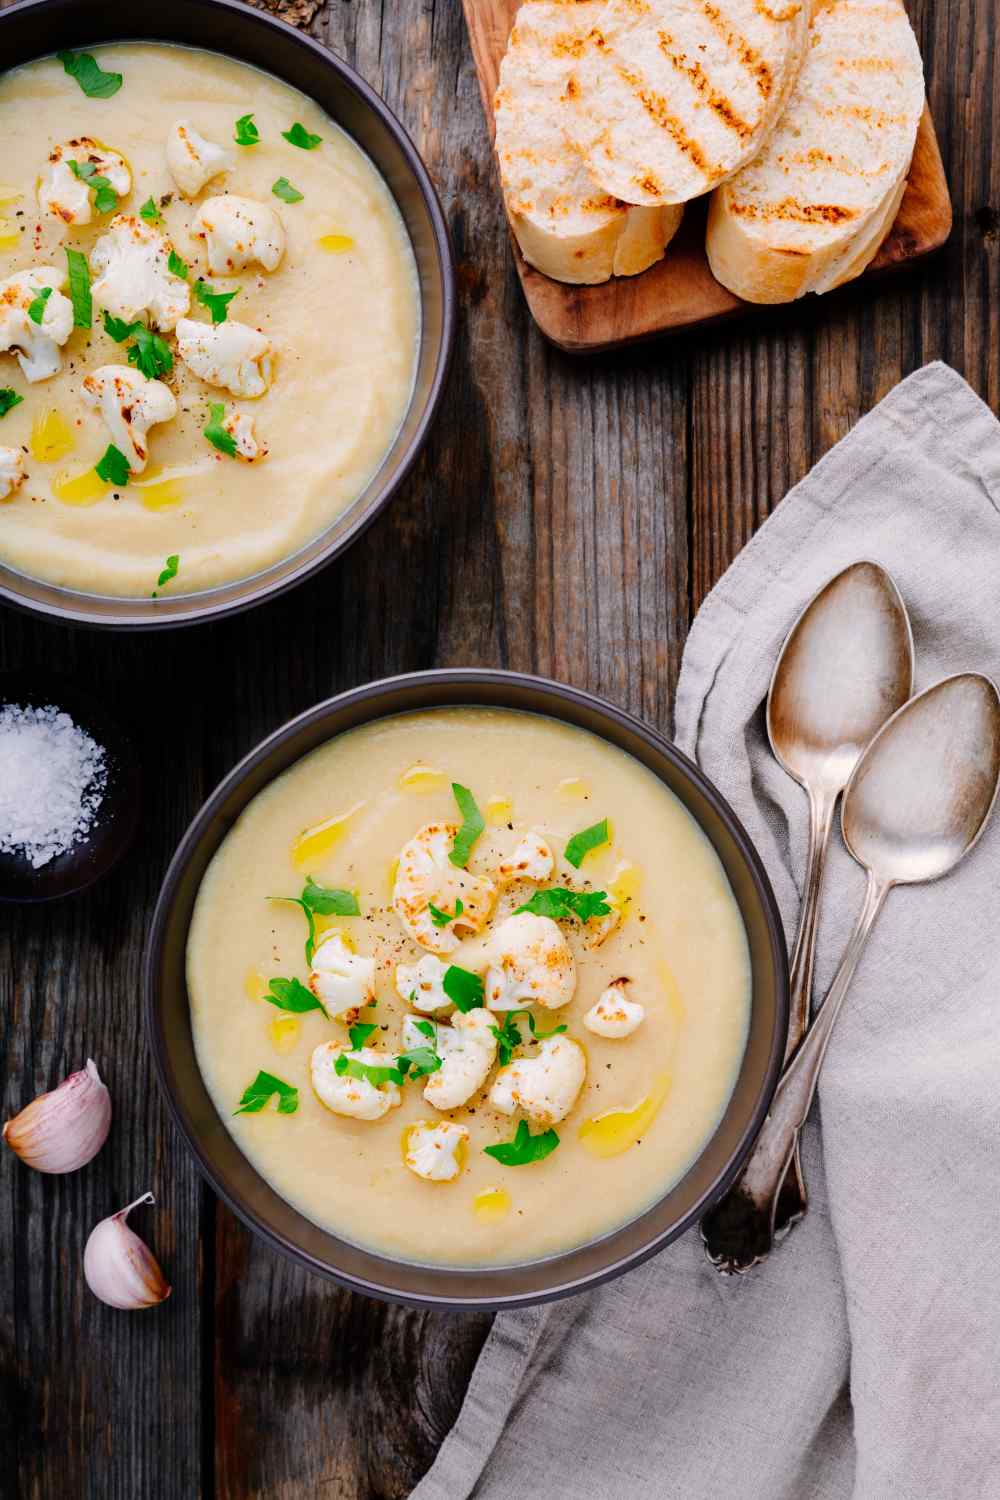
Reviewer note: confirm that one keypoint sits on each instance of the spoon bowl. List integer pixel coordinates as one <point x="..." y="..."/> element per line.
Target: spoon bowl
<point x="846" y="666"/>
<point x="920" y="798"/>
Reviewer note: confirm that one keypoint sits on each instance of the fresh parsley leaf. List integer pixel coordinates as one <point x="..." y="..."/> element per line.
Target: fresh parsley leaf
<point x="263" y="1088"/>
<point x="150" y="353"/>
<point x="560" y="903"/>
<point x="299" y="136"/>
<point x="425" y="1027"/>
<point x="359" y="1034"/>
<point x="463" y="988"/>
<point x="113" y="467"/>
<point x="283" y="189"/>
<point x="216" y="302"/>
<point x="291" y="994"/>
<point x="8" y="400"/>
<point x="376" y="1075"/>
<point x="96" y="84"/>
<point x="442" y="918"/>
<point x="508" y="1034"/>
<point x="330" y="901"/>
<point x="588" y="838"/>
<point x="105" y="197"/>
<point x="117" y="328"/>
<point x="79" y="289"/>
<point x="247" y="133"/>
<point x="85" y="170"/>
<point x="150" y="212"/>
<point x="178" y="267"/>
<point x="36" y="308"/>
<point x="216" y="433"/>
<point x="170" y="571"/>
<point x="310" y="920"/>
<point x="418" y="1062"/>
<point x="524" y="1148"/>
<point x="471" y="828"/>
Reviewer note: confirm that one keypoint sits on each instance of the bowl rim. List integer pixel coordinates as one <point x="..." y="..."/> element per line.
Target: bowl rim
<point x="78" y="608"/>
<point x="457" y="677"/>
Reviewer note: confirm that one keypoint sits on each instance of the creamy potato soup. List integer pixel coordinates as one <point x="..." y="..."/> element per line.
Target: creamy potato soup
<point x="209" y="319"/>
<point x="468" y="986"/>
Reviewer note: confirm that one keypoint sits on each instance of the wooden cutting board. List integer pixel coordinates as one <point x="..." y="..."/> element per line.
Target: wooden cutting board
<point x="680" y="292"/>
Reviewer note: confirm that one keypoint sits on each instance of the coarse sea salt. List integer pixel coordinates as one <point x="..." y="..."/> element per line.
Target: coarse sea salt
<point x="52" y="782"/>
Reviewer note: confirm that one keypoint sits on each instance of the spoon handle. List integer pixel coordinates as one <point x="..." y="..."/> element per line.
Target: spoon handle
<point x="793" y="1200"/>
<point x="739" y="1231"/>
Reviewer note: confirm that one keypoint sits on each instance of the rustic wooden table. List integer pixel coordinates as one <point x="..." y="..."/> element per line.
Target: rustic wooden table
<point x="566" y="518"/>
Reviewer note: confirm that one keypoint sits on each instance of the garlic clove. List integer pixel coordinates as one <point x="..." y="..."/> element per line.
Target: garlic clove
<point x="120" y="1269"/>
<point x="65" y="1128"/>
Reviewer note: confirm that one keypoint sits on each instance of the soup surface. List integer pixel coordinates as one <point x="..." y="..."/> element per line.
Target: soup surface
<point x="650" y="1100"/>
<point x="341" y="311"/>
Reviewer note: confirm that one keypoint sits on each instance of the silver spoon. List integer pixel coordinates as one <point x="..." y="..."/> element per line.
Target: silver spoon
<point x="917" y="803"/>
<point x="846" y="666"/>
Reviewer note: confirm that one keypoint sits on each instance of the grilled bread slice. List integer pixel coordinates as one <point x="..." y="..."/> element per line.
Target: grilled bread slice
<point x="811" y="210"/>
<point x="566" y="226"/>
<point x="670" y="97"/>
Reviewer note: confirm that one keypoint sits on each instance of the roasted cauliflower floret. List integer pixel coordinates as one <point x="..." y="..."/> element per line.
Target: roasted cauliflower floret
<point x="134" y="276"/>
<point x="11" y="471"/>
<point x="358" y="1098"/>
<point x="241" y="429"/>
<point x="239" y="232"/>
<point x="229" y="354"/>
<point x="530" y="964"/>
<point x="467" y="1049"/>
<point x="434" y="1149"/>
<point x="36" y="344"/>
<point x="343" y="980"/>
<point x="421" y="984"/>
<point x="192" y="160"/>
<point x="130" y="405"/>
<point x="613" y="1015"/>
<point x="531" y="860"/>
<point x="65" y="194"/>
<point x="545" y="1086"/>
<point x="425" y="878"/>
<point x="413" y="1034"/>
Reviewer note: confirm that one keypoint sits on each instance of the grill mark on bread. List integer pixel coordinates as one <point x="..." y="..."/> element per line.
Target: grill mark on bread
<point x="659" y="112"/>
<point x="787" y="14"/>
<point x="816" y="157"/>
<point x="867" y="113"/>
<point x="865" y="64"/>
<point x="790" y="210"/>
<point x="695" y="73"/>
<point x="748" y="56"/>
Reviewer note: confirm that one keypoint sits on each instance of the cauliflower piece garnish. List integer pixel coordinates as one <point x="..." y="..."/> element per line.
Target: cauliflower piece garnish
<point x="531" y="860"/>
<point x="357" y="1098"/>
<point x="191" y="160"/>
<point x="432" y="1150"/>
<point x="342" y="979"/>
<point x="11" y="471"/>
<point x="545" y="1086"/>
<point x="467" y="1049"/>
<point x="412" y="1036"/>
<point x="35" y="344"/>
<point x="66" y="196"/>
<point x="531" y="964"/>
<point x="237" y="232"/>
<point x="240" y="429"/>
<point x="613" y="1015"/>
<point x="597" y="931"/>
<point x="426" y="877"/>
<point x="135" y="276"/>
<point x="421" y="984"/>
<point x="229" y="354"/>
<point x="130" y="405"/>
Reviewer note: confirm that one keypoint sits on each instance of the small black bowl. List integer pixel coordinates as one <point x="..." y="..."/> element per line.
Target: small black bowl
<point x="168" y="1019"/>
<point x="117" y="817"/>
<point x="38" y="28"/>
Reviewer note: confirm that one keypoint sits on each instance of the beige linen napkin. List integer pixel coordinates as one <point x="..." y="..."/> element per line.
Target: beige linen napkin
<point x="863" y="1360"/>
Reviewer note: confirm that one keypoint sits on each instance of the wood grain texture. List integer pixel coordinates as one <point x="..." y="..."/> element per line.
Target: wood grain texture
<point x="680" y="293"/>
<point x="567" y="517"/>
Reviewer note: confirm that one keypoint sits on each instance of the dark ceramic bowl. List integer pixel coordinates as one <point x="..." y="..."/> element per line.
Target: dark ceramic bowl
<point x="117" y="818"/>
<point x="38" y="28"/>
<point x="227" y="1169"/>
